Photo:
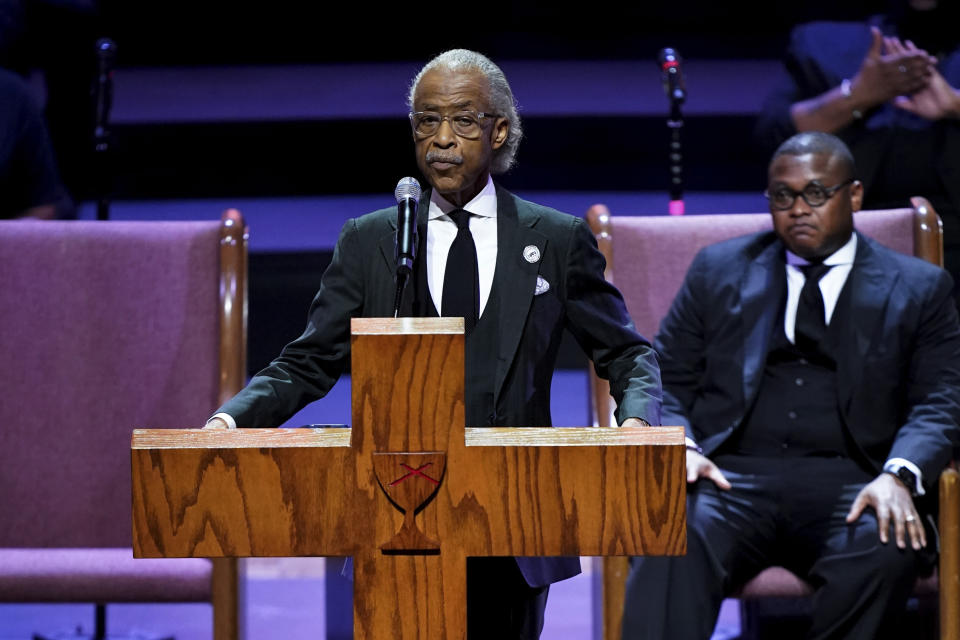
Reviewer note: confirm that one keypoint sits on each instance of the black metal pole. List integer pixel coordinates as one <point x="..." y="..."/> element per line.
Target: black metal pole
<point x="106" y="53"/>
<point x="675" y="88"/>
<point x="675" y="124"/>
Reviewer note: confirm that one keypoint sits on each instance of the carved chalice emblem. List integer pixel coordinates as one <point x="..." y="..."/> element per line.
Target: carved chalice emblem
<point x="410" y="481"/>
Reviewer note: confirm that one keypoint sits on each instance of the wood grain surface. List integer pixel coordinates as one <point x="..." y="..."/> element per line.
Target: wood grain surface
<point x="314" y="492"/>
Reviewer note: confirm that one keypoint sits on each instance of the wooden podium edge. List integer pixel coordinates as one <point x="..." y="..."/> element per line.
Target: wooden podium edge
<point x="340" y="437"/>
<point x="405" y="326"/>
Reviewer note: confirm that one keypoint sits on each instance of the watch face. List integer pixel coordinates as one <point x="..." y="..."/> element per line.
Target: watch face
<point x="907" y="477"/>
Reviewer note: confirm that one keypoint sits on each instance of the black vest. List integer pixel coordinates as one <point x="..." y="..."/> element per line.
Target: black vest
<point x="797" y="410"/>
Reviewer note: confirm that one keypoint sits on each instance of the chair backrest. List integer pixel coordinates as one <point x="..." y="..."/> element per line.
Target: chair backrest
<point x="648" y="256"/>
<point x="106" y="327"/>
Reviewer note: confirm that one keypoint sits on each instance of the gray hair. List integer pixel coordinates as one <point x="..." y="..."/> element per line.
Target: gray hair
<point x="501" y="98"/>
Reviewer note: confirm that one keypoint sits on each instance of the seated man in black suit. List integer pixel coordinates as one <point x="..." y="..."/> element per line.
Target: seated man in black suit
<point x="816" y="374"/>
<point x="516" y="271"/>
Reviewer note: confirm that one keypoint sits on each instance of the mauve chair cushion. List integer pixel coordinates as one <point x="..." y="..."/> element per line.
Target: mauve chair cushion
<point x="100" y="575"/>
<point x="779" y="582"/>
<point x="104" y="327"/>
<point x="776" y="580"/>
<point x="928" y="586"/>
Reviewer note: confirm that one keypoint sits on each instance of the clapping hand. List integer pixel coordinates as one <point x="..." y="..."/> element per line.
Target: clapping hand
<point x="935" y="101"/>
<point x="891" y="69"/>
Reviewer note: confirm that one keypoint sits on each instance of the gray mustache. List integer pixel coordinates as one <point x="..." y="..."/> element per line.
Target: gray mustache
<point x="436" y="156"/>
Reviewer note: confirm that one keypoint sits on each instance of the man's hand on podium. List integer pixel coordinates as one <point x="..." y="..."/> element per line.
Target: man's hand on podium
<point x="216" y="423"/>
<point x="635" y="422"/>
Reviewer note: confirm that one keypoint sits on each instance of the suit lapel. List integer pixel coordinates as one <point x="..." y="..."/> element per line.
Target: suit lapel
<point x="870" y="285"/>
<point x="761" y="295"/>
<point x="387" y="244"/>
<point x="515" y="277"/>
<point x="388" y="247"/>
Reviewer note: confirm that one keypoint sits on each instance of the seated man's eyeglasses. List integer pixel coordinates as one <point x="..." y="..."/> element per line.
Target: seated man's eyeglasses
<point x="814" y="194"/>
<point x="466" y="124"/>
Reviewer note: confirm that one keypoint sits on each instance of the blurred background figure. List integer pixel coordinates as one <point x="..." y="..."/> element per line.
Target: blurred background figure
<point x="29" y="182"/>
<point x="888" y="87"/>
<point x="50" y="45"/>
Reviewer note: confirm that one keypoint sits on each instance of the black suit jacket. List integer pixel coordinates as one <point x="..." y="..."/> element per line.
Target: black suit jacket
<point x="360" y="283"/>
<point x="898" y="373"/>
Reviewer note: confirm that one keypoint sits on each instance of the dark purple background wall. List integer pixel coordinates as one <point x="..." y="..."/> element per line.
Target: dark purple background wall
<point x="295" y="112"/>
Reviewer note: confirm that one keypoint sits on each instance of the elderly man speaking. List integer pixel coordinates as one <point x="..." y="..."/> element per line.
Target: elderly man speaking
<point x="519" y="273"/>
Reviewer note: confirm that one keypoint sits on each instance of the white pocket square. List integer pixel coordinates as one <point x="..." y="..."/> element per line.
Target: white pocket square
<point x="542" y="286"/>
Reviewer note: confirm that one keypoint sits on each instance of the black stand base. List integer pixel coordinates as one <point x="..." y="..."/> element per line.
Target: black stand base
<point x="99" y="631"/>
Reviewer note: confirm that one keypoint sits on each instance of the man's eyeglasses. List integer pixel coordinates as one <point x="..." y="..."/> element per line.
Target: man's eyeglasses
<point x="814" y="194"/>
<point x="466" y="124"/>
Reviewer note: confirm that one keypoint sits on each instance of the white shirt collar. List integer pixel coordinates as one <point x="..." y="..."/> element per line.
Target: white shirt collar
<point x="843" y="255"/>
<point x="483" y="204"/>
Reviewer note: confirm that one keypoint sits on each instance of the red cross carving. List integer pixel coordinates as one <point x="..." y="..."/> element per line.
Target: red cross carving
<point x="414" y="472"/>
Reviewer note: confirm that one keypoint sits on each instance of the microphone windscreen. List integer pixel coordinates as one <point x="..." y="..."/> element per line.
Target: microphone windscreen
<point x="106" y="49"/>
<point x="668" y="57"/>
<point x="407" y="188"/>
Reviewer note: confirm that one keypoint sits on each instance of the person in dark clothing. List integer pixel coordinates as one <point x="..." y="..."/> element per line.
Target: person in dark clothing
<point x="519" y="273"/>
<point x="29" y="182"/>
<point x="888" y="88"/>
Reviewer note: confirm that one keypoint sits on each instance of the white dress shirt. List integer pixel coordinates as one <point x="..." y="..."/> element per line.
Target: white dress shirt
<point x="441" y="230"/>
<point x="840" y="261"/>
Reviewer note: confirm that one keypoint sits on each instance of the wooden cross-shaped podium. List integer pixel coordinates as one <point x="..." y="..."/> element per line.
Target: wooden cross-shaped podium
<point x="409" y="492"/>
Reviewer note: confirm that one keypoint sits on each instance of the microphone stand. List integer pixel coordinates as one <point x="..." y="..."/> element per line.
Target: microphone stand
<point x="675" y="124"/>
<point x="106" y="50"/>
<point x="673" y="86"/>
<point x="401" y="285"/>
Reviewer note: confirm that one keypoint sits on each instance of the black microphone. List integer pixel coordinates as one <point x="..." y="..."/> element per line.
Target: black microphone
<point x="673" y="84"/>
<point x="407" y="194"/>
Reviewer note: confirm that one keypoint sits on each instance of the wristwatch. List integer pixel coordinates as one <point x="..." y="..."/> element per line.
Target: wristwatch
<point x="905" y="476"/>
<point x="846" y="90"/>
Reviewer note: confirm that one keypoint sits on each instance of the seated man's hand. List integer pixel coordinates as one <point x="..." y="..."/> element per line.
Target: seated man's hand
<point x="891" y="501"/>
<point x="216" y="423"/>
<point x="700" y="466"/>
<point x="635" y="422"/>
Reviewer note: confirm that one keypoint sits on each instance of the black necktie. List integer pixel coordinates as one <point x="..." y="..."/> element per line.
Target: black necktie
<point x="461" y="282"/>
<point x="811" y="323"/>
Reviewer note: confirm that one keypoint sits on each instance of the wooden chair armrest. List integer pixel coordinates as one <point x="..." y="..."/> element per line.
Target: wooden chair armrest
<point x="949" y="568"/>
